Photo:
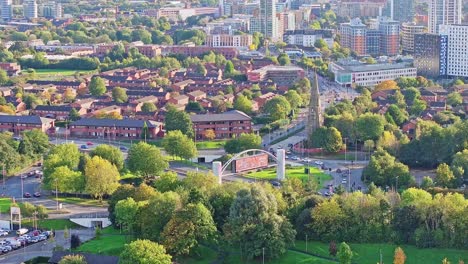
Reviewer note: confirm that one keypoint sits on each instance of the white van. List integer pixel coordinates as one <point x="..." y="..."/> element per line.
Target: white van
<point x="22" y="231"/>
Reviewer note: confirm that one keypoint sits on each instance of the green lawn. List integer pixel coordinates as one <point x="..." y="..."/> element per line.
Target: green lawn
<point x="215" y="144"/>
<point x="207" y="256"/>
<point x="5" y="205"/>
<point x="110" y="243"/>
<point x="62" y="72"/>
<point x="53" y="224"/>
<point x="369" y="253"/>
<point x="80" y="201"/>
<point x="294" y="172"/>
<point x="291" y="257"/>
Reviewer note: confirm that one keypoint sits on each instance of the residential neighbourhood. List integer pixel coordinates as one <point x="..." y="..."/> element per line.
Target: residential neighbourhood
<point x="234" y="131"/>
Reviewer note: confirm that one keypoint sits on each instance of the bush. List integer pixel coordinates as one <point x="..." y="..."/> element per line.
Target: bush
<point x="75" y="241"/>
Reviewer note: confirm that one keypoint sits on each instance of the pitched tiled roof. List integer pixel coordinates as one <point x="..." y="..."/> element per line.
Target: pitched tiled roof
<point x="111" y="122"/>
<point x="227" y="116"/>
<point x="60" y="108"/>
<point x="35" y="120"/>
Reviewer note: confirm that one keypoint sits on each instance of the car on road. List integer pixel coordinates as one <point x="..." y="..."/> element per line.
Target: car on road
<point x="39" y="174"/>
<point x="37" y="194"/>
<point x="344" y="181"/>
<point x="318" y="162"/>
<point x="27" y="195"/>
<point x="338" y="170"/>
<point x="295" y="158"/>
<point x="275" y="183"/>
<point x="89" y="143"/>
<point x="3" y="233"/>
<point x="122" y="148"/>
<point x="84" y="147"/>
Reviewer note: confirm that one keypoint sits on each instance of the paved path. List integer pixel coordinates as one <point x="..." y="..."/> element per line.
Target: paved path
<point x="45" y="248"/>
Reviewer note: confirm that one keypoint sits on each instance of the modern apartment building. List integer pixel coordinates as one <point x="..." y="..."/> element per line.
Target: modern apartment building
<point x="51" y="9"/>
<point x="226" y="125"/>
<point x="457" y="51"/>
<point x="307" y="37"/>
<point x="353" y="73"/>
<point x="30" y="9"/>
<point x="266" y="21"/>
<point x="430" y="54"/>
<point x="225" y="40"/>
<point x="390" y="36"/>
<point x="6" y="9"/>
<point x="408" y="30"/>
<point x="353" y="36"/>
<point x="444" y="12"/>
<point x="281" y="75"/>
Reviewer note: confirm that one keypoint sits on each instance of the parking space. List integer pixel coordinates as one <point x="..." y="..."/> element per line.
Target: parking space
<point x="23" y="237"/>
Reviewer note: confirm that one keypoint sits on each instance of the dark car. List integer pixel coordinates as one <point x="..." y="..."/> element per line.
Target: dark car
<point x="84" y="147"/>
<point x="37" y="194"/>
<point x="338" y="170"/>
<point x="27" y="195"/>
<point x="275" y="183"/>
<point x="122" y="148"/>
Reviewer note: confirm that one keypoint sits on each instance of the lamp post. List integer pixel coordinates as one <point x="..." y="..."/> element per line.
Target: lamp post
<point x="56" y="194"/>
<point x="22" y="189"/>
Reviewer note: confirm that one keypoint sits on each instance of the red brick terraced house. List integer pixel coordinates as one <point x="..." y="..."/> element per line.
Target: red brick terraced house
<point x="226" y="125"/>
<point x="114" y="128"/>
<point x="18" y="124"/>
<point x="59" y="112"/>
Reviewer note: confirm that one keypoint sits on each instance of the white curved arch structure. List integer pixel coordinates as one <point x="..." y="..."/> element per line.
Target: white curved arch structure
<point x="218" y="168"/>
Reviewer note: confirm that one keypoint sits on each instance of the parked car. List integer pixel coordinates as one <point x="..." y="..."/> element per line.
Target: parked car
<point x="122" y="148"/>
<point x="31" y="173"/>
<point x="275" y="183"/>
<point x="42" y="237"/>
<point x="24" y="176"/>
<point x="89" y="143"/>
<point x="338" y="170"/>
<point x="27" y="195"/>
<point x="318" y="162"/>
<point x="39" y="174"/>
<point x="33" y="240"/>
<point x="37" y="194"/>
<point x="22" y="231"/>
<point x="3" y="233"/>
<point x="84" y="147"/>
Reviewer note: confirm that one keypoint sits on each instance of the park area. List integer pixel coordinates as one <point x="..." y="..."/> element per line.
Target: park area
<point x="314" y="174"/>
<point x="5" y="204"/>
<point x="52" y="74"/>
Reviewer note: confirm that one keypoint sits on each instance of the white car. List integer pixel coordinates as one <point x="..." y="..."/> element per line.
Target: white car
<point x="3" y="233"/>
<point x="318" y="162"/>
<point x="344" y="181"/>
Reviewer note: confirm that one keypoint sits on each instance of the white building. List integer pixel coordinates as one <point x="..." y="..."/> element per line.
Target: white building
<point x="353" y="73"/>
<point x="225" y="40"/>
<point x="30" y="9"/>
<point x="444" y="12"/>
<point x="457" y="52"/>
<point x="307" y="38"/>
<point x="7" y="9"/>
<point x="408" y="30"/>
<point x="267" y="21"/>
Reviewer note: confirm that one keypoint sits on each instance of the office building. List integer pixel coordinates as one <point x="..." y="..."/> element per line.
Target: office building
<point x="7" y="9"/>
<point x="444" y="12"/>
<point x="266" y="21"/>
<point x="457" y="52"/>
<point x="353" y="36"/>
<point x="352" y="73"/>
<point x="282" y="75"/>
<point x="430" y="54"/>
<point x="399" y="10"/>
<point x="408" y="30"/>
<point x="51" y="10"/>
<point x="224" y="40"/>
<point x="30" y="9"/>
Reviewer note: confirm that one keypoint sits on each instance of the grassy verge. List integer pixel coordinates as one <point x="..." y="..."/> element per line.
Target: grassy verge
<point x="63" y="72"/>
<point x="80" y="201"/>
<point x="52" y="224"/>
<point x="291" y="257"/>
<point x="294" y="172"/>
<point x="207" y="256"/>
<point x="5" y="205"/>
<point x="215" y="144"/>
<point x="110" y="243"/>
<point x="369" y="253"/>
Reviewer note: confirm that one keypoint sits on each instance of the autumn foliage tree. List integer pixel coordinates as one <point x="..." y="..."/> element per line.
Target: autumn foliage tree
<point x="386" y="85"/>
<point x="399" y="257"/>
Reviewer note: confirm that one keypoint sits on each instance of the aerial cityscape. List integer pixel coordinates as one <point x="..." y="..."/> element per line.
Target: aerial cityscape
<point x="234" y="131"/>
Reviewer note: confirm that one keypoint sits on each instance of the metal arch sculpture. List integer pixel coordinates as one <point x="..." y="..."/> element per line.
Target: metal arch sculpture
<point x="242" y="153"/>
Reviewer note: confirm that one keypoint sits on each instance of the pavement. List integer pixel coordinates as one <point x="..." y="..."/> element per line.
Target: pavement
<point x="45" y="248"/>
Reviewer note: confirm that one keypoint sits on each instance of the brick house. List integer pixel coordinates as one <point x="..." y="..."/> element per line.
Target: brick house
<point x="114" y="128"/>
<point x="179" y="100"/>
<point x="59" y="112"/>
<point x="196" y="96"/>
<point x="225" y="125"/>
<point x="18" y="124"/>
<point x="262" y="99"/>
<point x="11" y="68"/>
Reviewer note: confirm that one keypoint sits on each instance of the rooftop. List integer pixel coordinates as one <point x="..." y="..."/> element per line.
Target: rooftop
<point x="111" y="122"/>
<point x="36" y="120"/>
<point x="227" y="116"/>
<point x="355" y="66"/>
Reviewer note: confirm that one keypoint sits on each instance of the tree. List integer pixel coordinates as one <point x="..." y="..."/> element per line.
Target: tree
<point x="254" y="224"/>
<point x="294" y="99"/>
<point x="109" y="153"/>
<point x="146" y="160"/>
<point x="125" y="213"/>
<point x="188" y="227"/>
<point x="328" y="138"/>
<point x="418" y="107"/>
<point x="283" y="59"/>
<point x="444" y="176"/>
<point x="345" y="255"/>
<point x="101" y="177"/>
<point x="148" y="107"/>
<point x="178" y="120"/>
<point x="411" y="94"/>
<point x="210" y="134"/>
<point x="119" y="95"/>
<point x="399" y="257"/>
<point x="144" y="252"/>
<point x="75" y="241"/>
<point x="229" y="69"/>
<point x="460" y="160"/>
<point x="386" y="85"/>
<point x="64" y="180"/>
<point x="73" y="259"/>
<point x="242" y="103"/>
<point x="384" y="170"/>
<point x="320" y="43"/>
<point x="369" y="126"/>
<point x="454" y="99"/>
<point x="243" y="142"/>
<point x="74" y="115"/>
<point x="277" y="108"/>
<point x="397" y="114"/>
<point x="34" y="143"/>
<point x="3" y="77"/>
<point x="97" y="86"/>
<point x="427" y="183"/>
<point x="177" y="144"/>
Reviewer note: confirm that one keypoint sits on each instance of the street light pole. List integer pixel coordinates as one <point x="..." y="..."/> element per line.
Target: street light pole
<point x="56" y="194"/>
<point x="22" y="189"/>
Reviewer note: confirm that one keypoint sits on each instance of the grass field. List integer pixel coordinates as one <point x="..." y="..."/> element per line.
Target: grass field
<point x="62" y="72"/>
<point x="294" y="172"/>
<point x="53" y="224"/>
<point x="80" y="201"/>
<point x="369" y="253"/>
<point x="216" y="144"/>
<point x="291" y="257"/>
<point x="5" y="205"/>
<point x="110" y="243"/>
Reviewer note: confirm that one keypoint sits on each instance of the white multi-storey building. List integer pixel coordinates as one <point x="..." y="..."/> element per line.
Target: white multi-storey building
<point x="225" y="40"/>
<point x="307" y="38"/>
<point x="7" y="9"/>
<point x="353" y="73"/>
<point x="444" y="12"/>
<point x="266" y="22"/>
<point x="408" y="30"/>
<point x="457" y="50"/>
<point x="30" y="9"/>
